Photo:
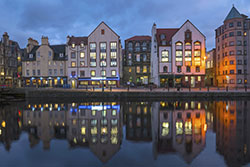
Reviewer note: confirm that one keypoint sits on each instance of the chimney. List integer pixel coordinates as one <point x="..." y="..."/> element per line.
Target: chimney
<point x="6" y="39"/>
<point x="31" y="44"/>
<point x="68" y="38"/>
<point x="45" y="40"/>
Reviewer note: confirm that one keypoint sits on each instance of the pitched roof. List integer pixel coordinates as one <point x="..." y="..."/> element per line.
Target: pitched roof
<point x="139" y="38"/>
<point x="168" y="32"/>
<point x="107" y="26"/>
<point x="78" y="40"/>
<point x="233" y="14"/>
<point x="57" y="49"/>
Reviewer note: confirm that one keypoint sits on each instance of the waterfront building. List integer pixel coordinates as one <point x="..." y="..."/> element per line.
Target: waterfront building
<point x="178" y="56"/>
<point x="210" y="79"/>
<point x="232" y="50"/>
<point x="94" y="60"/>
<point x="136" y="65"/>
<point x="9" y="61"/>
<point x="44" y="65"/>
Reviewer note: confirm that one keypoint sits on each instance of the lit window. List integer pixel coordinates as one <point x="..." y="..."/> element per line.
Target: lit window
<point x="93" y="131"/>
<point x="164" y="56"/>
<point x="186" y="78"/>
<point x="144" y="69"/>
<point x="114" y="122"/>
<point x="103" y="73"/>
<point x="104" y="130"/>
<point x="113" y="112"/>
<point x="113" y="73"/>
<point x="73" y="64"/>
<point x="188" y="128"/>
<point x="114" y="140"/>
<point x="93" y="122"/>
<point x="104" y="113"/>
<point x="82" y="55"/>
<point x="82" y="63"/>
<point x="93" y="113"/>
<point x="138" y="69"/>
<point x="73" y="45"/>
<point x="179" y="128"/>
<point x="199" y="78"/>
<point x="130" y="70"/>
<point x="92" y="73"/>
<point x="83" y="130"/>
<point x="114" y="131"/>
<point x="165" y="129"/>
<point x="245" y="33"/>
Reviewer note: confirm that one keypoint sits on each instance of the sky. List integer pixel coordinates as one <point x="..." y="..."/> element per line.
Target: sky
<point x="59" y="18"/>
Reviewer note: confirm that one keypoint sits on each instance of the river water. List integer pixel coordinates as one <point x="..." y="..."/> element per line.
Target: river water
<point x="121" y="133"/>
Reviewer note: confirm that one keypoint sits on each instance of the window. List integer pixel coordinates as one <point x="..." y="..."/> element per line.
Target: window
<point x="165" y="69"/>
<point x="82" y="55"/>
<point x="231" y="53"/>
<point x="102" y="31"/>
<point x="239" y="52"/>
<point x="231" y="62"/>
<point x="130" y="46"/>
<point x="231" y="71"/>
<point x="239" y="71"/>
<point x="61" y="71"/>
<point x="113" y="46"/>
<point x="50" y="54"/>
<point x="82" y="44"/>
<point x="34" y="72"/>
<point x="113" y="73"/>
<point x="178" y="69"/>
<point x="188" y="69"/>
<point x="55" y="71"/>
<point x="82" y="63"/>
<point x="239" y="24"/>
<point x="197" y="53"/>
<point x="103" y="47"/>
<point x="238" y="33"/>
<point x="92" y="47"/>
<point x="82" y="73"/>
<point x="73" y="55"/>
<point x="144" y="46"/>
<point x="144" y="57"/>
<point x="73" y="45"/>
<point x="27" y="72"/>
<point x="50" y="72"/>
<point x="239" y="62"/>
<point x="197" y="45"/>
<point x="245" y="34"/>
<point x="199" y="78"/>
<point x="231" y="34"/>
<point x="162" y="36"/>
<point x="129" y="56"/>
<point x="73" y="64"/>
<point x="197" y="69"/>
<point x="137" y="47"/>
<point x="188" y="35"/>
<point x="113" y="56"/>
<point x="239" y="43"/>
<point x="239" y="81"/>
<point x="231" y="24"/>
<point x="103" y="73"/>
<point x="30" y="56"/>
<point x="138" y="57"/>
<point x="245" y="43"/>
<point x="178" y="56"/>
<point x="145" y="69"/>
<point x="231" y="43"/>
<point x="231" y="81"/>
<point x="92" y="59"/>
<point x="164" y="56"/>
<point x="138" y="69"/>
<point x="92" y="73"/>
<point x="186" y="80"/>
<point x="38" y="72"/>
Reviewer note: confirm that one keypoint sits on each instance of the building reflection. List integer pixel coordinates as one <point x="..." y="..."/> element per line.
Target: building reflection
<point x="233" y="131"/>
<point x="179" y="127"/>
<point x="96" y="125"/>
<point x="138" y="121"/>
<point x="10" y="124"/>
<point x="172" y="127"/>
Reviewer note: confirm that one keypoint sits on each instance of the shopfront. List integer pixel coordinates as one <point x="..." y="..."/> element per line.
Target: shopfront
<point x="45" y="82"/>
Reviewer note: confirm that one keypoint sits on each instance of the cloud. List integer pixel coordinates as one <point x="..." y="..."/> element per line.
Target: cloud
<point x="59" y="18"/>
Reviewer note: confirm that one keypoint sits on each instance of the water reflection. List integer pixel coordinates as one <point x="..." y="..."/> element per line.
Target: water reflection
<point x="171" y="127"/>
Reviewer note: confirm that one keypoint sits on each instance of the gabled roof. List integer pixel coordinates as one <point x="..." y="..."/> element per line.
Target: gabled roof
<point x="233" y="14"/>
<point x="78" y="40"/>
<point x="168" y="32"/>
<point x="139" y="38"/>
<point x="57" y="49"/>
<point x="194" y="27"/>
<point x="107" y="26"/>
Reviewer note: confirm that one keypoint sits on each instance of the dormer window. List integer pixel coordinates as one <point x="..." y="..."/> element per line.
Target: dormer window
<point x="61" y="55"/>
<point x="30" y="56"/>
<point x="163" y="36"/>
<point x="102" y="31"/>
<point x="188" y="35"/>
<point x="73" y="45"/>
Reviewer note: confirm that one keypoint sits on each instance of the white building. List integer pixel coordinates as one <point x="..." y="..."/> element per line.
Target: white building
<point x="178" y="56"/>
<point x="94" y="60"/>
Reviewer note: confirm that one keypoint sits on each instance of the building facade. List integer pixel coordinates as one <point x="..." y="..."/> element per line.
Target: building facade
<point x="9" y="53"/>
<point x="178" y="56"/>
<point x="44" y="65"/>
<point x="136" y="65"/>
<point x="232" y="50"/>
<point x="94" y="60"/>
<point x="210" y="79"/>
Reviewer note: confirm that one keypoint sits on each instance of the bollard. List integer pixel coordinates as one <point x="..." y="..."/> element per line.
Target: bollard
<point x="200" y="87"/>
<point x="208" y="88"/>
<point x="245" y="88"/>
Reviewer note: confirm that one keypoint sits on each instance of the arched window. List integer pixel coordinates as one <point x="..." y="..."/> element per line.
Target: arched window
<point x="130" y="46"/>
<point x="197" y="45"/>
<point x="137" y="46"/>
<point x="188" y="46"/>
<point x="162" y="36"/>
<point x="144" y="46"/>
<point x="165" y="69"/>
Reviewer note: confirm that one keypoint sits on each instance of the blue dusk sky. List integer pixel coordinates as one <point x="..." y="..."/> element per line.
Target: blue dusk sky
<point x="58" y="18"/>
